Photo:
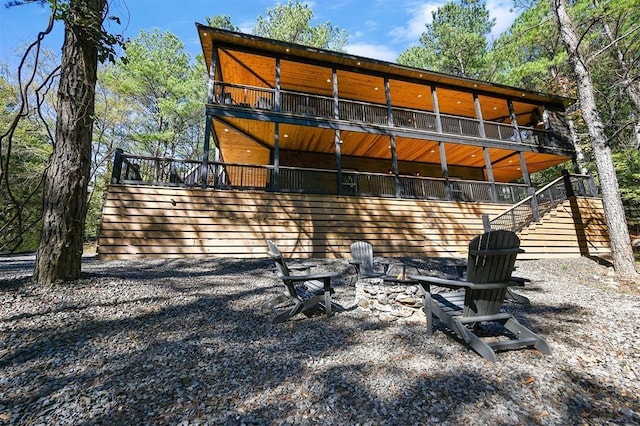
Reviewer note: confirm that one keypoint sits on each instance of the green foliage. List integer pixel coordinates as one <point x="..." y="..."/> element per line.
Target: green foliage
<point x="23" y="162"/>
<point x="291" y="22"/>
<point x="628" y="171"/>
<point x="455" y="41"/>
<point x="163" y="92"/>
<point x="530" y="54"/>
<point x="222" y="22"/>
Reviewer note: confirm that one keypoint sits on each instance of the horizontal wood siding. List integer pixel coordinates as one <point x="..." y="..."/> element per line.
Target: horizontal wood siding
<point x="143" y="221"/>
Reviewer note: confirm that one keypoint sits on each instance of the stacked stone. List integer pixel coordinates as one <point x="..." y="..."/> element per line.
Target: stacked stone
<point x="390" y="302"/>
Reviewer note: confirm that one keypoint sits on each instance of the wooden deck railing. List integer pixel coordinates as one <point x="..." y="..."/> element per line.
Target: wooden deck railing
<point x="141" y="170"/>
<point x="309" y="105"/>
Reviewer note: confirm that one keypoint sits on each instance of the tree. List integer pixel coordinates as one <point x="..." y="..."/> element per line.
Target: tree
<point x="66" y="180"/>
<point x="222" y="22"/>
<point x="292" y="23"/>
<point x="623" y="260"/>
<point x="530" y="54"/>
<point x="455" y="41"/>
<point x="163" y="91"/>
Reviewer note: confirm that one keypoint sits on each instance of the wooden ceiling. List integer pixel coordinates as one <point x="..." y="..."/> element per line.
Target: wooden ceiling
<point x="250" y="60"/>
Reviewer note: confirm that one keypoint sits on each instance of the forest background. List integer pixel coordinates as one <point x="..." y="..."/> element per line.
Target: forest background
<point x="150" y="99"/>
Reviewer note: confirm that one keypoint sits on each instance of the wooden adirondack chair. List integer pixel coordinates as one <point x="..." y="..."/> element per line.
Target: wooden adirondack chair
<point x="305" y="293"/>
<point x="362" y="260"/>
<point x="491" y="260"/>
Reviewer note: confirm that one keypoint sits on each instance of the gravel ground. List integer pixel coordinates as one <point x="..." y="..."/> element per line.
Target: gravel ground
<point x="185" y="342"/>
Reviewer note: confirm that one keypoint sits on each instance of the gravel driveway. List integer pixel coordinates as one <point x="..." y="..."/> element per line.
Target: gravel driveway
<point x="184" y="342"/>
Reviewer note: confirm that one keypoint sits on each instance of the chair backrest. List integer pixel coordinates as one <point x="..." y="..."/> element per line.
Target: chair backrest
<point x="282" y="270"/>
<point x="491" y="259"/>
<point x="362" y="252"/>
<point x="275" y="253"/>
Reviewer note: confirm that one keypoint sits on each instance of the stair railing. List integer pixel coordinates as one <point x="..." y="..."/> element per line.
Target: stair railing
<point x="532" y="208"/>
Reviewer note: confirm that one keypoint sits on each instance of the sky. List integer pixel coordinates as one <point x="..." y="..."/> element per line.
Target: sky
<point x="379" y="29"/>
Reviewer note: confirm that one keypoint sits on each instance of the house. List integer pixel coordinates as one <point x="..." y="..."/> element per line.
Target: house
<point x="315" y="149"/>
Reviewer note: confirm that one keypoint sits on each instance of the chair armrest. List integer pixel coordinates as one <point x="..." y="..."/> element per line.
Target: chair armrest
<point x="303" y="267"/>
<point x="521" y="281"/>
<point x="355" y="263"/>
<point x="455" y="284"/>
<point x="496" y="252"/>
<point x="441" y="282"/>
<point x="309" y="277"/>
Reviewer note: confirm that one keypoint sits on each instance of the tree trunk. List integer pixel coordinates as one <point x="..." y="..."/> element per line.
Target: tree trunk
<point x="65" y="191"/>
<point x="623" y="261"/>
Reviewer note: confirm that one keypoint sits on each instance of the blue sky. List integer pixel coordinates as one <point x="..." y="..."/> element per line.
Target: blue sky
<point x="379" y="29"/>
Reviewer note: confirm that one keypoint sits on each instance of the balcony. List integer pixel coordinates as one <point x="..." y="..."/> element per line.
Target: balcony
<point x="141" y="170"/>
<point x="322" y="107"/>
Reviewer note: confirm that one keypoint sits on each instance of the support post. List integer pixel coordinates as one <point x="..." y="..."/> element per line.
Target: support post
<point x="392" y="139"/>
<point x="486" y="223"/>
<point x="535" y="210"/>
<point x="277" y="91"/>
<point x="204" y="169"/>
<point x="514" y="121"/>
<point x="212" y="75"/>
<point x="117" y="166"/>
<point x="276" y="158"/>
<point x="336" y="136"/>
<point x="436" y="109"/>
<point x="566" y="178"/>
<point x="489" y="166"/>
<point x="476" y="104"/>
<point x="445" y="171"/>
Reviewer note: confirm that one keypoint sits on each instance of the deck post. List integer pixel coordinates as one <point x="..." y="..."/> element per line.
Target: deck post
<point x="204" y="170"/>
<point x="211" y="86"/>
<point x="117" y="166"/>
<point x="436" y="108"/>
<point x="276" y="102"/>
<point x="535" y="210"/>
<point x="476" y="105"/>
<point x="492" y="180"/>
<point x="514" y="121"/>
<point x="566" y="178"/>
<point x="276" y="157"/>
<point x="336" y="136"/>
<point x="392" y="139"/>
<point x="445" y="171"/>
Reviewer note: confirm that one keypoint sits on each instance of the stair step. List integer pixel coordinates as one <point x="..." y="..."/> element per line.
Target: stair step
<point x="513" y="344"/>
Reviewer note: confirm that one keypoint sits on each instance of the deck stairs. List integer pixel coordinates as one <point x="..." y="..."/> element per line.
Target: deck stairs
<point x="532" y="209"/>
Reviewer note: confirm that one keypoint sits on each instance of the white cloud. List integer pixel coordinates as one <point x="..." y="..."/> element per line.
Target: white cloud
<point x="503" y="11"/>
<point x="375" y="51"/>
<point x="421" y="14"/>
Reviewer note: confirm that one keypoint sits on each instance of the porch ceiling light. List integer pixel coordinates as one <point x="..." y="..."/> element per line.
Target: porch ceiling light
<point x="226" y="130"/>
<point x="286" y="136"/>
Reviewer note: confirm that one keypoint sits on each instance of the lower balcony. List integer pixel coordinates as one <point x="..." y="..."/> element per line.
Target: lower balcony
<point x="141" y="170"/>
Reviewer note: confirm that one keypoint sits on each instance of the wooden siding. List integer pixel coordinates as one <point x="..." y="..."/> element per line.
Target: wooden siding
<point x="143" y="221"/>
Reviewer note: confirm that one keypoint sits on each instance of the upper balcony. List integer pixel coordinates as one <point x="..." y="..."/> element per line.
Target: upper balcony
<point x="284" y="104"/>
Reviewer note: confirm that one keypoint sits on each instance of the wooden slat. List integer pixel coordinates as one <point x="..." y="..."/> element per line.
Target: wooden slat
<point x="142" y="221"/>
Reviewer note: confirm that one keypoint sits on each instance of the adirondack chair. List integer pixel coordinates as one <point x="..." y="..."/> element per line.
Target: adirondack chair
<point x="491" y="259"/>
<point x="304" y="293"/>
<point x="362" y="260"/>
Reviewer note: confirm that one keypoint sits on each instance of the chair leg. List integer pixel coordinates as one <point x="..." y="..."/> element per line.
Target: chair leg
<point x="288" y="313"/>
<point x="476" y="343"/>
<point x="521" y="331"/>
<point x="275" y="302"/>
<point x="518" y="298"/>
